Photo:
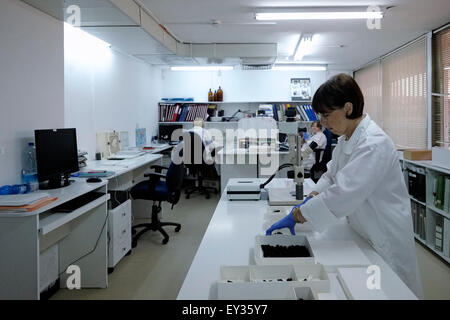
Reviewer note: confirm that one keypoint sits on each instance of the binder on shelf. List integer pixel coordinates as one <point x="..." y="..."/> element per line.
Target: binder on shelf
<point x="446" y="238"/>
<point x="440" y="191"/>
<point x="438" y="232"/>
<point x="447" y="195"/>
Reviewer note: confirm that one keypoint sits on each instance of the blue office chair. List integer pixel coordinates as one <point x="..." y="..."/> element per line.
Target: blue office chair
<point x="158" y="191"/>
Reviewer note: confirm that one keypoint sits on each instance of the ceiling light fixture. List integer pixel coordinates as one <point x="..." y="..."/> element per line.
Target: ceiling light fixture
<point x="304" y="47"/>
<point x="326" y="15"/>
<point x="202" y="68"/>
<point x="319" y="13"/>
<point x="298" y="67"/>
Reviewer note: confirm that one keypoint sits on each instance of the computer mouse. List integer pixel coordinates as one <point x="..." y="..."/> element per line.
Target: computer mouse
<point x="93" y="180"/>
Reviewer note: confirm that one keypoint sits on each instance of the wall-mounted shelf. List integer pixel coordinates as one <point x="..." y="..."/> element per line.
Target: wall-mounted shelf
<point x="234" y="102"/>
<point x="431" y="212"/>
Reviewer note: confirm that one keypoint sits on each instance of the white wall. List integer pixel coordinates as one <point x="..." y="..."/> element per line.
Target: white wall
<point x="107" y="90"/>
<point x="238" y="85"/>
<point x="31" y="81"/>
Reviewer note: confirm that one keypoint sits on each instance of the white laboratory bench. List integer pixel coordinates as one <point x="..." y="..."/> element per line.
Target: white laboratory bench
<point x="230" y="238"/>
<point x="248" y="163"/>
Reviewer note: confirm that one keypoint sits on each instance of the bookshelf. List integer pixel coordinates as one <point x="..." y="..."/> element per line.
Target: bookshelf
<point x="432" y="214"/>
<point x="166" y="109"/>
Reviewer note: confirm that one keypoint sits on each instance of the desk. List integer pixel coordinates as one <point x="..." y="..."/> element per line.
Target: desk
<point x="66" y="237"/>
<point x="248" y="163"/>
<point x="230" y="238"/>
<point x="127" y="172"/>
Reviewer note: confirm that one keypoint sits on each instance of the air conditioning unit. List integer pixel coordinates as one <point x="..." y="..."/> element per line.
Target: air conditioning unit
<point x="257" y="63"/>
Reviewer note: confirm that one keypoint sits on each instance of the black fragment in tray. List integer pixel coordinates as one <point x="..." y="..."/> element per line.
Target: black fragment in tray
<point x="284" y="251"/>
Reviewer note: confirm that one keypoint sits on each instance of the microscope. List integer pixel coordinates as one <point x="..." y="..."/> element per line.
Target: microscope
<point x="296" y="155"/>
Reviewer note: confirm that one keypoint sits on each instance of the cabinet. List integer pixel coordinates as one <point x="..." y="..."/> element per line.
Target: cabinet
<point x="431" y="224"/>
<point x="119" y="233"/>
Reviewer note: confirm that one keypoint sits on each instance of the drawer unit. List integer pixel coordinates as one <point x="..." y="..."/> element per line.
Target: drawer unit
<point x="119" y="233"/>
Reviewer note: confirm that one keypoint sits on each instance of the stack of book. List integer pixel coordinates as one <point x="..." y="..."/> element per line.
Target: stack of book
<point x="82" y="159"/>
<point x="182" y="113"/>
<point x="305" y="112"/>
<point x="25" y="202"/>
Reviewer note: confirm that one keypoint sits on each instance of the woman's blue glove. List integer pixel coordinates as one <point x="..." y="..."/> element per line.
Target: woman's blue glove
<point x="286" y="222"/>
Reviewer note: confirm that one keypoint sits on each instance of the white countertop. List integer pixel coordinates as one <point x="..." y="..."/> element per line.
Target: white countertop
<point x="76" y="189"/>
<point x="121" y="166"/>
<point x="230" y="238"/>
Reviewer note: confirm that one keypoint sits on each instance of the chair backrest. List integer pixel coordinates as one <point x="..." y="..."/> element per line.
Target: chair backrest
<point x="174" y="177"/>
<point x="328" y="151"/>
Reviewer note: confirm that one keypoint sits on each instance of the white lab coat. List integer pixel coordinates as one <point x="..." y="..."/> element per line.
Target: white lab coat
<point x="365" y="184"/>
<point x="321" y="141"/>
<point x="207" y="142"/>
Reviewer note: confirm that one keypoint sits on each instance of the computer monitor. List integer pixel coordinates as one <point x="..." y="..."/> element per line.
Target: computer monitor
<point x="56" y="156"/>
<point x="166" y="130"/>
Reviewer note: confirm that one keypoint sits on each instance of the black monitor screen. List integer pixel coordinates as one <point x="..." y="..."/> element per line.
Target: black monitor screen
<point x="166" y="130"/>
<point x="56" y="153"/>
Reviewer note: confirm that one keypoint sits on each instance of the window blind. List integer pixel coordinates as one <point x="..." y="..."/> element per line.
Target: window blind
<point x="368" y="80"/>
<point x="403" y="101"/>
<point x="441" y="89"/>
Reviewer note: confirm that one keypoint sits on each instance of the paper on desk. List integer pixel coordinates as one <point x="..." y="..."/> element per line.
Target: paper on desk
<point x="21" y="199"/>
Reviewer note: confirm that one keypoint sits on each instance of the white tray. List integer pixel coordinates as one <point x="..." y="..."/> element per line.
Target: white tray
<point x="354" y="283"/>
<point x="335" y="254"/>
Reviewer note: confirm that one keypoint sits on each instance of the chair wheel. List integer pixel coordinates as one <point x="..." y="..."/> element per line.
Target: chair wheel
<point x="177" y="229"/>
<point x="165" y="241"/>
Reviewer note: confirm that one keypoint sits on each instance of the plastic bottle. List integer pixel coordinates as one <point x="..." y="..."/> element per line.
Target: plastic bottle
<point x="15" y="189"/>
<point x="29" y="172"/>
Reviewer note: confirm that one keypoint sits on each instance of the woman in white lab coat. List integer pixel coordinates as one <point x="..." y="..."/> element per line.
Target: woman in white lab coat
<point x="319" y="138"/>
<point x="364" y="182"/>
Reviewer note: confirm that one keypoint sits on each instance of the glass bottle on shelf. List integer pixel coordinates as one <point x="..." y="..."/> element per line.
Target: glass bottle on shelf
<point x="210" y="96"/>
<point x="215" y="96"/>
<point x="220" y="94"/>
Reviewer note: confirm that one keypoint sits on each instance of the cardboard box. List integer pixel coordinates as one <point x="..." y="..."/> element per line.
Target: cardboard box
<point x="417" y="154"/>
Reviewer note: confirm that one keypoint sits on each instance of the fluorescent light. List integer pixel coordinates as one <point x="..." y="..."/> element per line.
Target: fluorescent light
<point x="318" y="15"/>
<point x="202" y="68"/>
<point x="297" y="67"/>
<point x="303" y="48"/>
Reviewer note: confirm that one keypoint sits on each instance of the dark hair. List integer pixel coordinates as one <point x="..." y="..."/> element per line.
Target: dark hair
<point x="317" y="123"/>
<point x="336" y="92"/>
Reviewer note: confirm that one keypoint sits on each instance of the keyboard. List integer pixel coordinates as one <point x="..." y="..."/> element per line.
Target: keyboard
<point x="76" y="203"/>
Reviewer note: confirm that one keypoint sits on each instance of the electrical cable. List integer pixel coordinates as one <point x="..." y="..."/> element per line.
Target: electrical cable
<point x="95" y="247"/>
<point x="286" y="165"/>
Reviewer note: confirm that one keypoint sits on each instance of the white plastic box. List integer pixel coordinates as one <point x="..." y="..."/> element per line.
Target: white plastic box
<point x="270" y="282"/>
<point x="354" y="283"/>
<point x="282" y="240"/>
<point x="440" y="157"/>
<point x="333" y="254"/>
